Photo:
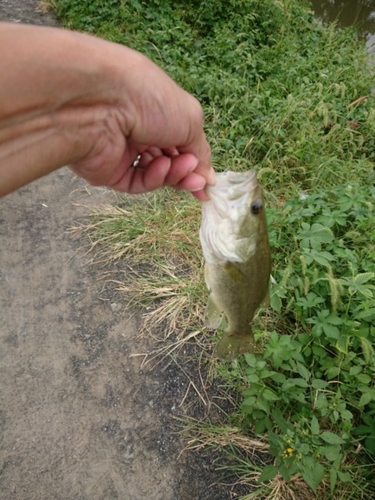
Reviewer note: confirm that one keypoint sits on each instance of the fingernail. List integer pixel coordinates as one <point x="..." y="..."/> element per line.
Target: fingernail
<point x="198" y="188"/>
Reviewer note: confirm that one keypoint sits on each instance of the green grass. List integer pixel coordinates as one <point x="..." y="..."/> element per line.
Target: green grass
<point x="293" y="99"/>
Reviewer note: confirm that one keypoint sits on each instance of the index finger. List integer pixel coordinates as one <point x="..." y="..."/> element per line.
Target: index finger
<point x="196" y="142"/>
<point x="202" y="151"/>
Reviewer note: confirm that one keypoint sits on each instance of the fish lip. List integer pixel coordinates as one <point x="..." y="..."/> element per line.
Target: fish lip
<point x="236" y="183"/>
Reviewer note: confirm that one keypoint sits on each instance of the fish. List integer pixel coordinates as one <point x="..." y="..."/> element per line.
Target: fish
<point x="235" y="245"/>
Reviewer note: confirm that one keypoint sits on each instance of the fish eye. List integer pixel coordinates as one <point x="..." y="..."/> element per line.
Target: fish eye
<point x="256" y="207"/>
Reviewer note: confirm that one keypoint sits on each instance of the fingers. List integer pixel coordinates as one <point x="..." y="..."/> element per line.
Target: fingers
<point x="170" y="118"/>
<point x="155" y="172"/>
<point x="201" y="195"/>
<point x="180" y="168"/>
<point x="196" y="142"/>
<point x="204" y="167"/>
<point x="145" y="177"/>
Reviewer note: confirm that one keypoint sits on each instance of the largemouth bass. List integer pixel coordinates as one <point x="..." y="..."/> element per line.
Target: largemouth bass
<point x="234" y="241"/>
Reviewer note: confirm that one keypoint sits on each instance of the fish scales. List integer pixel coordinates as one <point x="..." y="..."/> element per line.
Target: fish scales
<point x="234" y="238"/>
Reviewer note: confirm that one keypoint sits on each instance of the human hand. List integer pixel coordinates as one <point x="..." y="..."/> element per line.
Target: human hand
<point x="73" y="99"/>
<point x="146" y="115"/>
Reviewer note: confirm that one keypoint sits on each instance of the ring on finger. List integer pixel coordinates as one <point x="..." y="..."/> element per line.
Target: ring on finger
<point x="136" y="162"/>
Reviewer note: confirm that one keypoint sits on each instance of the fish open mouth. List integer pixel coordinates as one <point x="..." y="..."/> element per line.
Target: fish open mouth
<point x="231" y="191"/>
<point x="227" y="232"/>
<point x="234" y="184"/>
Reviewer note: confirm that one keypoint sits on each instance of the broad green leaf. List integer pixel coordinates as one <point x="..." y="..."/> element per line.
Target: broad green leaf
<point x="318" y="383"/>
<point x="270" y="395"/>
<point x="276" y="303"/>
<point x="331" y="452"/>
<point x="323" y="258"/>
<point x="268" y="472"/>
<point x="365" y="399"/>
<point x="334" y="320"/>
<point x="303" y="371"/>
<point x="298" y="396"/>
<point x="298" y="357"/>
<point x="292" y="382"/>
<point x="313" y="236"/>
<point x="345" y="477"/>
<point x="281" y="421"/>
<point x="280" y="378"/>
<point x="312" y="472"/>
<point x="266" y="373"/>
<point x="253" y="390"/>
<point x="260" y="426"/>
<point x="314" y="425"/>
<point x="259" y="415"/>
<point x="249" y="401"/>
<point x="331" y="331"/>
<point x="346" y="415"/>
<point x="362" y="278"/>
<point x="285" y="472"/>
<point x="331" y="438"/>
<point x="304" y="338"/>
<point x="337" y="463"/>
<point x="332" y="479"/>
<point x="304" y="449"/>
<point x="250" y="359"/>
<point x="354" y="370"/>
<point x="367" y="314"/>
<point x="342" y="344"/>
<point x="363" y="378"/>
<point x="263" y="405"/>
<point x="332" y="372"/>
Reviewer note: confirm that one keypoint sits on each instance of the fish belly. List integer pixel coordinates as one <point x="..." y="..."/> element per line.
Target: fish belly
<point x="237" y="290"/>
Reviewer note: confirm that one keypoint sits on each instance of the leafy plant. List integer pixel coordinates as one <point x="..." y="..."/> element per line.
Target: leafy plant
<point x="312" y="390"/>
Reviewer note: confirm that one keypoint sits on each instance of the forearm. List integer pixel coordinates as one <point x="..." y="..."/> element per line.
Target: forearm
<point x="35" y="146"/>
<point x="55" y="97"/>
<point x="69" y="98"/>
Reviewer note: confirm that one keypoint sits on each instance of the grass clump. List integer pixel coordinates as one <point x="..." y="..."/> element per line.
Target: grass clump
<point x="293" y="99"/>
<point x="158" y="232"/>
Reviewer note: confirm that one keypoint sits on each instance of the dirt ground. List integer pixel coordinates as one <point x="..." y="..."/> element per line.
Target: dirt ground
<point x="79" y="418"/>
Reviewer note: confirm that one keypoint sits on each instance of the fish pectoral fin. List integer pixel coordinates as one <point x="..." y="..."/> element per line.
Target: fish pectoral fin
<point x="235" y="273"/>
<point x="212" y="314"/>
<point x="231" y="346"/>
<point x="266" y="301"/>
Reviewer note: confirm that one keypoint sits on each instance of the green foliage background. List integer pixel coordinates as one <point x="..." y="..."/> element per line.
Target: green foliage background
<point x="274" y="83"/>
<point x="294" y="99"/>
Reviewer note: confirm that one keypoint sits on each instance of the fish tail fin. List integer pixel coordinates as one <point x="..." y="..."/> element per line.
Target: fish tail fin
<point x="232" y="344"/>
